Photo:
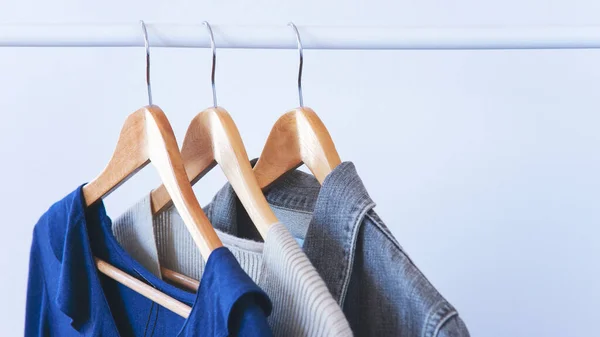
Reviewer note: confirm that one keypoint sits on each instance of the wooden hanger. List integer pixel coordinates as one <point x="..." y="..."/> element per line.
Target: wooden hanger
<point x="297" y="137"/>
<point x="147" y="137"/>
<point x="212" y="138"/>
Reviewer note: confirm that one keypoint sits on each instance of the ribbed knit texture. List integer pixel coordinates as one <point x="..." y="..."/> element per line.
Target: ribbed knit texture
<point x="178" y="251"/>
<point x="134" y="231"/>
<point x="302" y="304"/>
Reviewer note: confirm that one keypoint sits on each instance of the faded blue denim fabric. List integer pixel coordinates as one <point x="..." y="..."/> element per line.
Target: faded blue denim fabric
<point x="380" y="289"/>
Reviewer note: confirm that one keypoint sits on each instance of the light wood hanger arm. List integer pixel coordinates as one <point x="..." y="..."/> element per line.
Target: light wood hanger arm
<point x="299" y="136"/>
<point x="145" y="290"/>
<point x="129" y="157"/>
<point x="180" y="279"/>
<point x="212" y="138"/>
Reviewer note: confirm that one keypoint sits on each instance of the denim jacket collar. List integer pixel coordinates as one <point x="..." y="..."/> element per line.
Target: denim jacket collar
<point x="338" y="208"/>
<point x="333" y="231"/>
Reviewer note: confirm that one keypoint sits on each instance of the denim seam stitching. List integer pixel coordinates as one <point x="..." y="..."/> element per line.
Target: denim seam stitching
<point x="387" y="234"/>
<point x="291" y="209"/>
<point x="443" y="321"/>
<point x="346" y="277"/>
<point x="437" y="318"/>
<point x="453" y="312"/>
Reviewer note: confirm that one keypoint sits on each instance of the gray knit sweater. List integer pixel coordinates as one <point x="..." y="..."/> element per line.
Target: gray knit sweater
<point x="302" y="304"/>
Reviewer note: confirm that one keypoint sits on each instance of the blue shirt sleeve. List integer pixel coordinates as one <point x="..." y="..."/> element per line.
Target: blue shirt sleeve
<point x="248" y="319"/>
<point x="228" y="302"/>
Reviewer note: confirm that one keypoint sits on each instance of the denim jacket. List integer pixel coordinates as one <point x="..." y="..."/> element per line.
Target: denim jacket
<point x="379" y="288"/>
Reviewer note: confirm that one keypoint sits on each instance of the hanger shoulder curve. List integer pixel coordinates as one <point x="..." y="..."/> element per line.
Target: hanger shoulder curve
<point x="129" y="157"/>
<point x="212" y="138"/>
<point x="299" y="136"/>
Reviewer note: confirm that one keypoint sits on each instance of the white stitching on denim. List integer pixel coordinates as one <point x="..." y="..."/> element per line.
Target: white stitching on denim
<point x="291" y="209"/>
<point x="346" y="280"/>
<point x="384" y="230"/>
<point x="443" y="321"/>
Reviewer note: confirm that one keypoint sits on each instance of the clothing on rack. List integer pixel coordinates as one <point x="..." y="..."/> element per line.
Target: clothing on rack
<point x="350" y="272"/>
<point x="372" y="278"/>
<point x="328" y="263"/>
<point x="67" y="296"/>
<point x="302" y="304"/>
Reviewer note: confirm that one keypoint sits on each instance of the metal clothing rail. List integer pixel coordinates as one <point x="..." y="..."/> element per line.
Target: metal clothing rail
<point x="313" y="37"/>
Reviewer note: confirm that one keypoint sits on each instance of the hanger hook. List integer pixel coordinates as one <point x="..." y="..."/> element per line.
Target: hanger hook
<point x="300" y="65"/>
<point x="214" y="61"/>
<point x="147" y="46"/>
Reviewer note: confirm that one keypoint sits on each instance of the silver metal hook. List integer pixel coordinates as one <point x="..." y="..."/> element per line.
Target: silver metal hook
<point x="300" y="65"/>
<point x="147" y="46"/>
<point x="214" y="61"/>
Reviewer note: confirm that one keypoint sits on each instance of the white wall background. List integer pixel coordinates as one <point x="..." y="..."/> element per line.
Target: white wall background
<point x="485" y="164"/>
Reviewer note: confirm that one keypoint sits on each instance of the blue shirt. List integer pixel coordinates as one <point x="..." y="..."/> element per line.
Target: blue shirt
<point x="67" y="296"/>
